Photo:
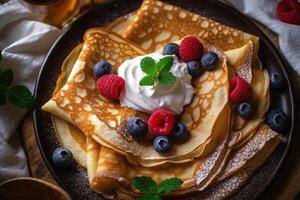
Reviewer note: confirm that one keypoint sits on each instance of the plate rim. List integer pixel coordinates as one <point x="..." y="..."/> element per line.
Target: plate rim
<point x="280" y="57"/>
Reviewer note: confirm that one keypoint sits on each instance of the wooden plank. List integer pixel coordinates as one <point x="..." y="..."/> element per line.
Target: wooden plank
<point x="37" y="166"/>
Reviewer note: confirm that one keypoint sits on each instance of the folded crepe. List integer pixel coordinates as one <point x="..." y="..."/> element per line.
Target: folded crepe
<point x="235" y="56"/>
<point x="102" y="160"/>
<point x="247" y="158"/>
<point x="220" y="174"/>
<point x="69" y="135"/>
<point x="83" y="106"/>
<point x="156" y="23"/>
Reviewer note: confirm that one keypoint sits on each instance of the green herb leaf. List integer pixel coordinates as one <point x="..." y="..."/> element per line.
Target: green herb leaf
<point x="149" y="197"/>
<point x="165" y="64"/>
<point x="6" y="77"/>
<point x="148" y="65"/>
<point x="169" y="185"/>
<point x="157" y="72"/>
<point x="167" y="78"/>
<point x="144" y="184"/>
<point x="2" y="99"/>
<point x="148" y="80"/>
<point x="21" y="96"/>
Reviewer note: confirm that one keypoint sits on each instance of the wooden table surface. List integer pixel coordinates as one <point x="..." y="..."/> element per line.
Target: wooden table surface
<point x="39" y="170"/>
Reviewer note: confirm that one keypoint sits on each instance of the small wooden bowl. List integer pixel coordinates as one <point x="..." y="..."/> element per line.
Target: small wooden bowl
<point x="31" y="188"/>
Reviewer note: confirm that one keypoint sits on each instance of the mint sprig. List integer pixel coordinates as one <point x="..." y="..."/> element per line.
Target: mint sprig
<point x="157" y="72"/>
<point x="153" y="191"/>
<point x="18" y="95"/>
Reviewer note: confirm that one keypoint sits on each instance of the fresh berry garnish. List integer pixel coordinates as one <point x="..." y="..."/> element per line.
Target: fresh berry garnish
<point x="179" y="132"/>
<point x="209" y="60"/>
<point x="161" y="144"/>
<point x="161" y="122"/>
<point x="62" y="157"/>
<point x="171" y="49"/>
<point x="110" y="86"/>
<point x="277" y="120"/>
<point x="195" y="69"/>
<point x="289" y="11"/>
<point x="101" y="68"/>
<point x="137" y="127"/>
<point x="276" y="80"/>
<point x="244" y="110"/>
<point x="240" y="90"/>
<point x="190" y="49"/>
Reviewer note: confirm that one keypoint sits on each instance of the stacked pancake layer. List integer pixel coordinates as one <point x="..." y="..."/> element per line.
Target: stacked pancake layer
<point x="224" y="149"/>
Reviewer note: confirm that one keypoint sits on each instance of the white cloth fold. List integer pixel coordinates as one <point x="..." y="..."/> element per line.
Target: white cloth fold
<point x="264" y="11"/>
<point x="24" y="41"/>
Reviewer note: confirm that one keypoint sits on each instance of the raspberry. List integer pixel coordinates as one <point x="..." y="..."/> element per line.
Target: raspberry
<point x="161" y="122"/>
<point x="289" y="11"/>
<point x="110" y="86"/>
<point x="190" y="49"/>
<point x="240" y="90"/>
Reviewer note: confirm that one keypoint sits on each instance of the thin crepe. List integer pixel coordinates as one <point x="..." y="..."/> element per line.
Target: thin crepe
<point x="113" y="172"/>
<point x="248" y="157"/>
<point x="156" y="23"/>
<point x="80" y="104"/>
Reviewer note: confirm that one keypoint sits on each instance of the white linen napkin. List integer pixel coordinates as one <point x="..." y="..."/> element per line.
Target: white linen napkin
<point x="264" y="11"/>
<point x="24" y="41"/>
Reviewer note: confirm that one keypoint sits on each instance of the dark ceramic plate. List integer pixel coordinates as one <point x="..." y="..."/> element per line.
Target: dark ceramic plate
<point x="75" y="181"/>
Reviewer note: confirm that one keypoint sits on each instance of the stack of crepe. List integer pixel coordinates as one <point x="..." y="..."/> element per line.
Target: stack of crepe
<point x="223" y="149"/>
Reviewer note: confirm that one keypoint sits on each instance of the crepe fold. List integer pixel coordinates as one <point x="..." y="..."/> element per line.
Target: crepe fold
<point x="228" y="155"/>
<point x="156" y="23"/>
<point x="102" y="119"/>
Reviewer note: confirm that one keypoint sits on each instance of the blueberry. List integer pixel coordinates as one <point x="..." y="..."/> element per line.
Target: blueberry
<point x="101" y="68"/>
<point x="162" y="144"/>
<point x="277" y="120"/>
<point x="209" y="60"/>
<point x="62" y="157"/>
<point x="137" y="127"/>
<point x="277" y="80"/>
<point x="171" y="49"/>
<point x="179" y="132"/>
<point x="244" y="110"/>
<point x="195" y="69"/>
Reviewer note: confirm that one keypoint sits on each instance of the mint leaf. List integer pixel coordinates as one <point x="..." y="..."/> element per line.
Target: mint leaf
<point x="2" y="99"/>
<point x="148" y="65"/>
<point x="165" y="64"/>
<point x="169" y="185"/>
<point x="148" y="80"/>
<point x="149" y="197"/>
<point x="21" y="96"/>
<point x="6" y="77"/>
<point x="167" y="78"/>
<point x="144" y="184"/>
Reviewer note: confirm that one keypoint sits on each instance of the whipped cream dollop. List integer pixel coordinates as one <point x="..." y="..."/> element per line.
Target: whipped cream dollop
<point x="149" y="98"/>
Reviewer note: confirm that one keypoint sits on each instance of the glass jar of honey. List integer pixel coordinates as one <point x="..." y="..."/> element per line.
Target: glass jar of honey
<point x="56" y="11"/>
